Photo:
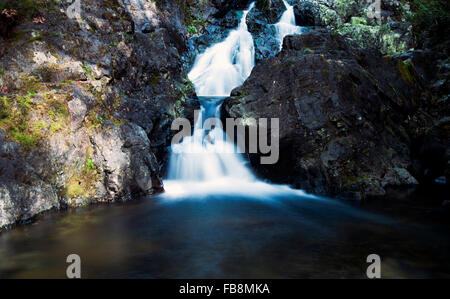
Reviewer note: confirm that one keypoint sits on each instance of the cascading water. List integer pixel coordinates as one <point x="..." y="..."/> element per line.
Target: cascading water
<point x="207" y="163"/>
<point x="287" y="25"/>
<point x="225" y="65"/>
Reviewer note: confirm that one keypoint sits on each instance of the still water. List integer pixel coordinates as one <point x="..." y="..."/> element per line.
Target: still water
<point x="225" y="237"/>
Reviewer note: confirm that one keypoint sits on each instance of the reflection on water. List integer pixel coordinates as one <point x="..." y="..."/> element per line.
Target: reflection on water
<point x="220" y="237"/>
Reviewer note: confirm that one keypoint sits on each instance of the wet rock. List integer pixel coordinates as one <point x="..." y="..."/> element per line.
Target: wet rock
<point x="260" y="22"/>
<point x="340" y="119"/>
<point x="266" y="43"/>
<point x="264" y="12"/>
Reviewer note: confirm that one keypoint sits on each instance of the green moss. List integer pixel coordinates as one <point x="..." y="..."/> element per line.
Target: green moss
<point x="40" y="35"/>
<point x="358" y="20"/>
<point x="81" y="184"/>
<point x="14" y="114"/>
<point x="425" y="13"/>
<point x="50" y="115"/>
<point x="27" y="140"/>
<point x="406" y="68"/>
<point x="154" y="80"/>
<point x="74" y="188"/>
<point x="30" y="83"/>
<point x="379" y="36"/>
<point x="355" y="180"/>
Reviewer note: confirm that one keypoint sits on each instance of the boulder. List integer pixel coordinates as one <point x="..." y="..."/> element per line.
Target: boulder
<point x="341" y="111"/>
<point x="123" y="154"/>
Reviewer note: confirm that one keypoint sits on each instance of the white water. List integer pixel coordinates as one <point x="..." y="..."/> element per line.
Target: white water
<point x="225" y="65"/>
<point x="207" y="155"/>
<point x="286" y="25"/>
<point x="207" y="163"/>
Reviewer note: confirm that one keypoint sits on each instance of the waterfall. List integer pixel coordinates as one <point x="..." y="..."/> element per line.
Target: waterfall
<point x="286" y="25"/>
<point x="207" y="163"/>
<point x="207" y="156"/>
<point x="225" y="65"/>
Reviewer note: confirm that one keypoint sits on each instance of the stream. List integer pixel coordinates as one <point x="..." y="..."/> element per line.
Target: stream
<point x="217" y="220"/>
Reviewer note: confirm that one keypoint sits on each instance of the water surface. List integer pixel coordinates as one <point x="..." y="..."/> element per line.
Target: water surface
<point x="224" y="237"/>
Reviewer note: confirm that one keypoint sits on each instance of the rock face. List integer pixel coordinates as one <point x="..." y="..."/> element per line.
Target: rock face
<point x="23" y="193"/>
<point x="377" y="24"/>
<point x="124" y="156"/>
<point x="349" y="117"/>
<point x="260" y="22"/>
<point x="86" y="104"/>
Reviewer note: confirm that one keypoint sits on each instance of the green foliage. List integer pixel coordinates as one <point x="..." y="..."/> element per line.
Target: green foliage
<point x="358" y="20"/>
<point x="87" y="69"/>
<point x="425" y="13"/>
<point x="194" y="23"/>
<point x="90" y="165"/>
<point x="191" y="29"/>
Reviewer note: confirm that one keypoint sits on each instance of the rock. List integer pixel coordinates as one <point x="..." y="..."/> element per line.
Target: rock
<point x="266" y="43"/>
<point x="77" y="110"/>
<point x="124" y="155"/>
<point x="147" y="28"/>
<point x="307" y="14"/>
<point x="264" y="12"/>
<point x="340" y="119"/>
<point x="398" y="177"/>
<point x="21" y="202"/>
<point x="224" y="6"/>
<point x="386" y="31"/>
<point x="260" y="22"/>
<point x="83" y="79"/>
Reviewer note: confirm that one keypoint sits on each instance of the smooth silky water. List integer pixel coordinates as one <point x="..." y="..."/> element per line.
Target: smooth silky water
<point x="217" y="220"/>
